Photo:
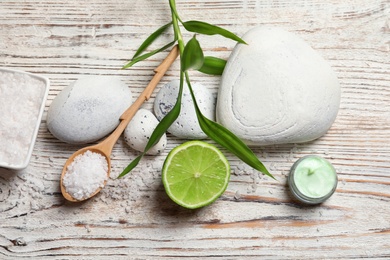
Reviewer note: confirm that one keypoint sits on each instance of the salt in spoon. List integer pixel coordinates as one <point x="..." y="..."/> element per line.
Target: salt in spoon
<point x="105" y="147"/>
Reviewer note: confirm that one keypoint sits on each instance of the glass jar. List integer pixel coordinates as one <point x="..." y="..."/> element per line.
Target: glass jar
<point x="312" y="179"/>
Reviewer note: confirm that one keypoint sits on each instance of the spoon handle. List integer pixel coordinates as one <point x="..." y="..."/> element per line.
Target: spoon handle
<point x="145" y="95"/>
<point x="125" y="118"/>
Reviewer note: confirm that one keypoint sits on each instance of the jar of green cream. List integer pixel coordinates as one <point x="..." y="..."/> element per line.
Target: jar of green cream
<point x="312" y="179"/>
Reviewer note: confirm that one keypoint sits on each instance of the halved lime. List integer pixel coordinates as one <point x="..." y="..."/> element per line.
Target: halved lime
<point x="195" y="174"/>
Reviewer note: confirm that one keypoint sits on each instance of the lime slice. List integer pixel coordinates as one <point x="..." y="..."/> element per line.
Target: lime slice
<point x="195" y="174"/>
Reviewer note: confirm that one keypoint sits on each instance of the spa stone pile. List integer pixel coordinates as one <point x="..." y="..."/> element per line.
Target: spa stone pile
<point x="274" y="90"/>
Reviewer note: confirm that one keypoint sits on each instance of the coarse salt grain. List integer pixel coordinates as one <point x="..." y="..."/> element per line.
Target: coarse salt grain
<point x="20" y="102"/>
<point x="86" y="174"/>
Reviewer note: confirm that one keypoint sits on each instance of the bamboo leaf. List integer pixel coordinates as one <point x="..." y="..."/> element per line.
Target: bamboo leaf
<point x="165" y="123"/>
<point x="151" y="39"/>
<point x="131" y="166"/>
<point x="147" y="55"/>
<point x="227" y="139"/>
<point x="213" y="65"/>
<point x="209" y="29"/>
<point x="192" y="57"/>
<point x="159" y="131"/>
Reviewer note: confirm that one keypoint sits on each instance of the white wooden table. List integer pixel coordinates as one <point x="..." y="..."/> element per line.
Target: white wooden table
<point x="255" y="218"/>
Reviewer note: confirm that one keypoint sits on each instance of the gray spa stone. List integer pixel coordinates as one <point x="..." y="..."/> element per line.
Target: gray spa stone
<point x="88" y="109"/>
<point x="139" y="130"/>
<point x="277" y="90"/>
<point x="186" y="125"/>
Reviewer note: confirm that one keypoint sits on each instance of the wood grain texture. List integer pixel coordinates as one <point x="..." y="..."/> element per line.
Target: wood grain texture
<point x="132" y="218"/>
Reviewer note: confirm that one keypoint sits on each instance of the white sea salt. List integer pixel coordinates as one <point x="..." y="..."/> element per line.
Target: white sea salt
<point x="20" y="102"/>
<point x="85" y="175"/>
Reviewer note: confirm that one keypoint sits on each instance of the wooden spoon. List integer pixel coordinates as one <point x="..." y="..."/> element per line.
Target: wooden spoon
<point x="105" y="147"/>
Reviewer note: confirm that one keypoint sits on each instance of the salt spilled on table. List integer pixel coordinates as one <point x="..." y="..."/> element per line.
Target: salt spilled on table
<point x="86" y="174"/>
<point x="20" y="101"/>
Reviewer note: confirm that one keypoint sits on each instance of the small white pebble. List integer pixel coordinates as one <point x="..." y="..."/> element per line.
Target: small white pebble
<point x="88" y="229"/>
<point x="186" y="126"/>
<point x="139" y="130"/>
<point x="237" y="195"/>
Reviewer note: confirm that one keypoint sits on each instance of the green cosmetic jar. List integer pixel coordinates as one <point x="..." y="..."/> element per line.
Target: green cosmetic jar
<point x="312" y="180"/>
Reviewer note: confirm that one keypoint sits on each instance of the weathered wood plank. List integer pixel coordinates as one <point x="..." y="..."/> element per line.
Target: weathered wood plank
<point x="255" y="218"/>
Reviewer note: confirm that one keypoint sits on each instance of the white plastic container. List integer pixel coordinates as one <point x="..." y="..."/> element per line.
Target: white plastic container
<point x="22" y="102"/>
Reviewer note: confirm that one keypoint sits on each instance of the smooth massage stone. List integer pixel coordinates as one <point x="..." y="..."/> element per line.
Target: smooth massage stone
<point x="186" y="125"/>
<point x="139" y="130"/>
<point x="88" y="109"/>
<point x="277" y="90"/>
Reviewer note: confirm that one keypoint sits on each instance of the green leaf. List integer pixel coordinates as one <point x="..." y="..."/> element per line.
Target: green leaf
<point x="213" y="65"/>
<point x="227" y="139"/>
<point x="165" y="123"/>
<point x="147" y="55"/>
<point x="131" y="166"/>
<point x="192" y="57"/>
<point x="151" y="39"/>
<point x="159" y="131"/>
<point x="209" y="29"/>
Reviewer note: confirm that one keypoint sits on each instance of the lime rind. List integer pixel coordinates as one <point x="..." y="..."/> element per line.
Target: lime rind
<point x="188" y="159"/>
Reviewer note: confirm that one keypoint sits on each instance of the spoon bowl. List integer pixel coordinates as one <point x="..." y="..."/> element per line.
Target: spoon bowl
<point x="105" y="147"/>
<point x="95" y="149"/>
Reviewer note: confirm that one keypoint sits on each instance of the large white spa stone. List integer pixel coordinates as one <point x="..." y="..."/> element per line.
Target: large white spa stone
<point x="186" y="125"/>
<point x="139" y="130"/>
<point x="277" y="90"/>
<point x="88" y="109"/>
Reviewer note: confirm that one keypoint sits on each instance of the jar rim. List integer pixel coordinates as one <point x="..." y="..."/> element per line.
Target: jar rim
<point x="297" y="194"/>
